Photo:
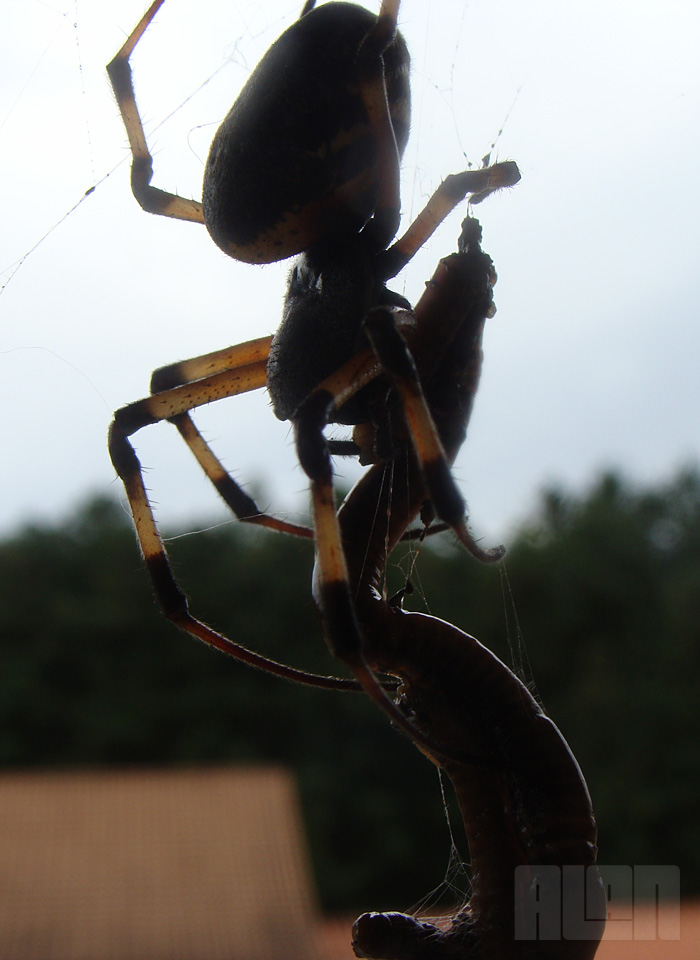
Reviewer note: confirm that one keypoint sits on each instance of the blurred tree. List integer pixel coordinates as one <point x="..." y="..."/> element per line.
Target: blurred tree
<point x="599" y="597"/>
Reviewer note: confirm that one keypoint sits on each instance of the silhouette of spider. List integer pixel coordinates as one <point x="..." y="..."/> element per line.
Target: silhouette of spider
<point x="307" y="162"/>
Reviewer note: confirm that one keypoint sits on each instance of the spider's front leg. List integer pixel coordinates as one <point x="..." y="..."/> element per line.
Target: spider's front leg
<point x="452" y="191"/>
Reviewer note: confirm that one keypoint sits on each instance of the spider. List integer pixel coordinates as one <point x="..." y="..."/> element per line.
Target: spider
<point x="307" y="162"/>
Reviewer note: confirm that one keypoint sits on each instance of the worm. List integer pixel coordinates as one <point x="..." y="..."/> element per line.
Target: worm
<point x="523" y="799"/>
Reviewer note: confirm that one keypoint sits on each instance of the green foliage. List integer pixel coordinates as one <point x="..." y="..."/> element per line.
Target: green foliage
<point x="609" y="587"/>
<point x="601" y="594"/>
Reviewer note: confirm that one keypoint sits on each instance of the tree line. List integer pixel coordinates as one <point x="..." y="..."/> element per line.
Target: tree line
<point x="597" y="602"/>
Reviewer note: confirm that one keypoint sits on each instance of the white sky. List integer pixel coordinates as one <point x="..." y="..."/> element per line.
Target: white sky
<point x="591" y="360"/>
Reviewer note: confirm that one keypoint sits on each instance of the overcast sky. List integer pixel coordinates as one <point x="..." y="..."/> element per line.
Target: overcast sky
<point x="592" y="359"/>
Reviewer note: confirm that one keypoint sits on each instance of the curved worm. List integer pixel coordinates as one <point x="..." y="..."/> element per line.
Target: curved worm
<point x="525" y="805"/>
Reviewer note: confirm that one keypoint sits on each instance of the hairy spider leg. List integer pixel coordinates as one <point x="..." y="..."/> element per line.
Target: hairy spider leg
<point x="188" y="372"/>
<point x="451" y="192"/>
<point x="174" y="404"/>
<point x="152" y="199"/>
<point x="228" y="358"/>
<point x="213" y="373"/>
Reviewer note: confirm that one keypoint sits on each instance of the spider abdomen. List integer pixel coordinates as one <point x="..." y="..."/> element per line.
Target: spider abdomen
<point x="295" y="159"/>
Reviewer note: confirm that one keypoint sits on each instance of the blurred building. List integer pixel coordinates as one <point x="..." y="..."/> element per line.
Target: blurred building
<point x="685" y="948"/>
<point x="151" y="864"/>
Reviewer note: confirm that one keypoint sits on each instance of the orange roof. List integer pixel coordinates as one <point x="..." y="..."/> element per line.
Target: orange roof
<point x="686" y="948"/>
<point x="154" y="864"/>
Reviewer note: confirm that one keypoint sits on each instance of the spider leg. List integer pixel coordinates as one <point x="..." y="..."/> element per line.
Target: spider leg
<point x="170" y="597"/>
<point x="185" y="371"/>
<point x="331" y="583"/>
<point x="451" y="192"/>
<point x="151" y="198"/>
<point x="245" y="360"/>
<point x="397" y="361"/>
<point x="238" y="501"/>
<point x="390" y="354"/>
<point x="174" y="404"/>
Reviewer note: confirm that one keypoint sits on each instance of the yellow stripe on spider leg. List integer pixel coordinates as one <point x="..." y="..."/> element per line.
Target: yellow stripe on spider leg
<point x="196" y="368"/>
